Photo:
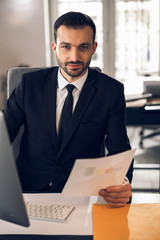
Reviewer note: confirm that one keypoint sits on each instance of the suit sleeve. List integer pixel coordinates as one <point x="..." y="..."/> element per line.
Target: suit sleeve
<point x="117" y="139"/>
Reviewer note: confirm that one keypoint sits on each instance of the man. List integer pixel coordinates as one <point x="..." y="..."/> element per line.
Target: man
<point x="47" y="156"/>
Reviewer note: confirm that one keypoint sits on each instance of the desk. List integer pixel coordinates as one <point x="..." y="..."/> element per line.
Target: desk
<point x="77" y="227"/>
<point x="144" y="113"/>
<point x="148" y="95"/>
<point x="138" y="116"/>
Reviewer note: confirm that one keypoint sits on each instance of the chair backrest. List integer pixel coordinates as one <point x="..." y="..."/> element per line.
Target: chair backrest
<point x="14" y="76"/>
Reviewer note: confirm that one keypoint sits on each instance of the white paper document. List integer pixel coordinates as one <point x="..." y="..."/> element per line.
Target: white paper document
<point x="88" y="176"/>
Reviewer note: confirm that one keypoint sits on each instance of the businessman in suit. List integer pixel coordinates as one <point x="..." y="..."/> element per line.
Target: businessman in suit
<point x="98" y="114"/>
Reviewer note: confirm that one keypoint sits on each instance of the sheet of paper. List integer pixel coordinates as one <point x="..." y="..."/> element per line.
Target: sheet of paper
<point x="88" y="176"/>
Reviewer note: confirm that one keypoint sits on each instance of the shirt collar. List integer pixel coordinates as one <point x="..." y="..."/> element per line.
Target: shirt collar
<point x="62" y="82"/>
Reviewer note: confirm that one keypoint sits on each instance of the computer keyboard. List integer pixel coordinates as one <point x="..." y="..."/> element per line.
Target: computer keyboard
<point x="54" y="212"/>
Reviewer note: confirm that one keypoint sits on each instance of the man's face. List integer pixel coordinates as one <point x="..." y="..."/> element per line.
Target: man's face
<point x="74" y="49"/>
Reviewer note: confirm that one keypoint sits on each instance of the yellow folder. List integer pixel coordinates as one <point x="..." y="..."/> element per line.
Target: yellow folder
<point x="132" y="222"/>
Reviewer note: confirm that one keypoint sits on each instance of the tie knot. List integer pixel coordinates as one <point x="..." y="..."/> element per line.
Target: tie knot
<point x="70" y="88"/>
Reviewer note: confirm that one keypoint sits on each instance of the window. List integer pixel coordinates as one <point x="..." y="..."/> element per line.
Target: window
<point x="93" y="8"/>
<point x="137" y="38"/>
<point x="128" y="34"/>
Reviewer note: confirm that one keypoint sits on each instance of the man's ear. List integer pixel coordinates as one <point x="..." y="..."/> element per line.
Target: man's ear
<point x="54" y="46"/>
<point x="95" y="47"/>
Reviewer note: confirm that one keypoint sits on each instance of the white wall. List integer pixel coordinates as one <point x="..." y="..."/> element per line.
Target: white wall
<point x="22" y="37"/>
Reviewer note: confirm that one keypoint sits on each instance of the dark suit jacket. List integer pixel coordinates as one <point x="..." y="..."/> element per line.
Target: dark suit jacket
<point x="98" y="119"/>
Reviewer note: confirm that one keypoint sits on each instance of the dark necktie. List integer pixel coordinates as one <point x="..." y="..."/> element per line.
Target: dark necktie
<point x="66" y="113"/>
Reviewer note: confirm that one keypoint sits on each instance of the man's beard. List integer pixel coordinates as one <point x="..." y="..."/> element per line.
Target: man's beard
<point x="74" y="73"/>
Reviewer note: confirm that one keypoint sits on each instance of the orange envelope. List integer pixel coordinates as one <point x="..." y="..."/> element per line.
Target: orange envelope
<point x="132" y="222"/>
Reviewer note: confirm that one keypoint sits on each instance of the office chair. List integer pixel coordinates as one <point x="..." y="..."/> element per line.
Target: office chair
<point x="143" y="136"/>
<point x="14" y="76"/>
<point x="152" y="87"/>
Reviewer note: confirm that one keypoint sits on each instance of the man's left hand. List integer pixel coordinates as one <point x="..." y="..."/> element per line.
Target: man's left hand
<point x="117" y="196"/>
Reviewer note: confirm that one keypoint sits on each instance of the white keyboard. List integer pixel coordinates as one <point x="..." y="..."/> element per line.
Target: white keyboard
<point x="54" y="212"/>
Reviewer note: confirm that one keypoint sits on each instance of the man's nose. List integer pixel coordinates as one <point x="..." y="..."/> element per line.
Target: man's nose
<point x="75" y="55"/>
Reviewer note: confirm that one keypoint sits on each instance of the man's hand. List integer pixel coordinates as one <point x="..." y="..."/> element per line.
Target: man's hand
<point x="117" y="196"/>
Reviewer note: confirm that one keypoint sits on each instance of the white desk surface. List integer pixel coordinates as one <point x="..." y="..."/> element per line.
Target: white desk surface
<point x="78" y="223"/>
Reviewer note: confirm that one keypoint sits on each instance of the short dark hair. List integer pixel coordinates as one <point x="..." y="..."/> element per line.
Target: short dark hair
<point x="74" y="20"/>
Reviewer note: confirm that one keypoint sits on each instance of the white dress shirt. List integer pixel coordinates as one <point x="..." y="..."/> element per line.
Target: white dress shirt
<point x="62" y="93"/>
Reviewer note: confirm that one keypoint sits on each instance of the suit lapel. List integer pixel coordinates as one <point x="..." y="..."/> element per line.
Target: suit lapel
<point x="84" y="100"/>
<point x="50" y="103"/>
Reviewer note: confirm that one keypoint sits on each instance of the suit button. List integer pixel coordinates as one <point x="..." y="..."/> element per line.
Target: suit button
<point x="50" y="184"/>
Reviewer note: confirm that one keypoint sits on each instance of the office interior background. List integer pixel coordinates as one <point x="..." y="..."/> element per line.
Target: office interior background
<point x="128" y="36"/>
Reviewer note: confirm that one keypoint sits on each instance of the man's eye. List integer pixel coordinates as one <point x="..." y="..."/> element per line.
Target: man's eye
<point x="84" y="47"/>
<point x="66" y="47"/>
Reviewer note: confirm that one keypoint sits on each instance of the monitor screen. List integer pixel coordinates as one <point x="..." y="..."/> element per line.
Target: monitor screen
<point x="12" y="207"/>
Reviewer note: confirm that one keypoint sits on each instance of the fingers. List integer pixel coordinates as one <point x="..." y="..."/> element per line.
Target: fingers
<point x="121" y="188"/>
<point x="116" y="202"/>
<point x="117" y="196"/>
<point x="116" y="199"/>
<point x="116" y="205"/>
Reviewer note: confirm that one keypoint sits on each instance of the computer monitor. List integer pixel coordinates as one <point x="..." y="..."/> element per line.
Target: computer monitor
<point x="152" y="87"/>
<point x="12" y="207"/>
